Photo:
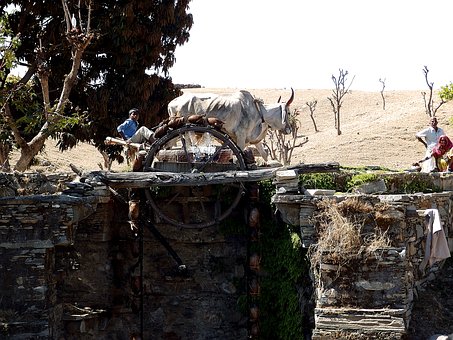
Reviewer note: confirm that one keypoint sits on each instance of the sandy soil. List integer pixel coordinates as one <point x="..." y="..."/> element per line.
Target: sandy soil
<point x="370" y="135"/>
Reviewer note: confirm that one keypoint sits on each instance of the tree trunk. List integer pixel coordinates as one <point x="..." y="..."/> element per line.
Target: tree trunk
<point x="29" y="151"/>
<point x="314" y="123"/>
<point x="4" y="156"/>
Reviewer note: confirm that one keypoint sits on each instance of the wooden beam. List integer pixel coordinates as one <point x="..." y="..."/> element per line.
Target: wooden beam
<point x="314" y="168"/>
<point x="160" y="178"/>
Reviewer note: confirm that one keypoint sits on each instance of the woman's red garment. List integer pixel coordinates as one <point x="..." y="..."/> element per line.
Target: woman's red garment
<point x="442" y="148"/>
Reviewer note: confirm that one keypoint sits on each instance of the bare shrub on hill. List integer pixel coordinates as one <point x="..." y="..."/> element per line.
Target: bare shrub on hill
<point x="280" y="147"/>
<point x="338" y="93"/>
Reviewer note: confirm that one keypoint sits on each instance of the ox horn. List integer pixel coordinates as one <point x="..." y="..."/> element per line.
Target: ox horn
<point x="279" y="98"/>
<point x="290" y="100"/>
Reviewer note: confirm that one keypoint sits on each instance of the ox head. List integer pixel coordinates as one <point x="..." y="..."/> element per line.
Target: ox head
<point x="284" y="110"/>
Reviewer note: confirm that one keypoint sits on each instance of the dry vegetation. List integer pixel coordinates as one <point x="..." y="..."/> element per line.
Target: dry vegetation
<point x="342" y="232"/>
<point x="370" y="134"/>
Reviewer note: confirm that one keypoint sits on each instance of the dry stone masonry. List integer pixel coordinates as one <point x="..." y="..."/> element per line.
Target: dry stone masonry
<point x="371" y="295"/>
<point x="69" y="262"/>
<point x="70" y="270"/>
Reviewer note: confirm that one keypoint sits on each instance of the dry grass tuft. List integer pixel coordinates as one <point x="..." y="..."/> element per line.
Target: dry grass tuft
<point x="338" y="238"/>
<point x="354" y="206"/>
<point x="376" y="241"/>
<point x="340" y="231"/>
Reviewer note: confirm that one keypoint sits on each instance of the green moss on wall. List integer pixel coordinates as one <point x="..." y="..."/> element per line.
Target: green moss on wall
<point x="318" y="181"/>
<point x="345" y="180"/>
<point x="284" y="265"/>
<point x="360" y="179"/>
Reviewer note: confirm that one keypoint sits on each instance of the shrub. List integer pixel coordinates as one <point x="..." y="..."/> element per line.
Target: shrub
<point x="318" y="181"/>
<point x="360" y="179"/>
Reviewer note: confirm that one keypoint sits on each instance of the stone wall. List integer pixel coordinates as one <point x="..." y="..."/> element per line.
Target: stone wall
<point x="70" y="267"/>
<point x="372" y="294"/>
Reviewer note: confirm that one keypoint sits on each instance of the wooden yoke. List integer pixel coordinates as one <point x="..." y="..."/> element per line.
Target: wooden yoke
<point x="132" y="151"/>
<point x="114" y="141"/>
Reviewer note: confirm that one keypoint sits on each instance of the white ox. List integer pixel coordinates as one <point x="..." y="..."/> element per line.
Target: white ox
<point x="245" y="119"/>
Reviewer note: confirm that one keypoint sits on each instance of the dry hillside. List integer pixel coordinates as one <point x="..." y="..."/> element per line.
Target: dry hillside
<point x="370" y="135"/>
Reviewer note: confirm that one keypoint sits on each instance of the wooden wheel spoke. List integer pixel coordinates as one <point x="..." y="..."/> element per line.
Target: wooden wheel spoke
<point x="186" y="152"/>
<point x="186" y="208"/>
<point x="172" y="199"/>
<point x="212" y="157"/>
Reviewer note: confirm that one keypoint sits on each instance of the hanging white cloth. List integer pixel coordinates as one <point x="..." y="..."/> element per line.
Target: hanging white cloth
<point x="436" y="247"/>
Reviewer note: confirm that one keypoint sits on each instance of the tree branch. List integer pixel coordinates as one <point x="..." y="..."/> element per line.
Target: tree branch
<point x="12" y="125"/>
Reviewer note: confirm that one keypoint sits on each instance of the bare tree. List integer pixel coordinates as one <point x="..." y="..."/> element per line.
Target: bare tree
<point x="429" y="103"/>
<point x="312" y="107"/>
<point x="338" y="93"/>
<point x="281" y="146"/>
<point x="382" y="93"/>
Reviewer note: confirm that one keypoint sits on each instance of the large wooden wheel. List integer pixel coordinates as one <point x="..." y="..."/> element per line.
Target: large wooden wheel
<point x="194" y="149"/>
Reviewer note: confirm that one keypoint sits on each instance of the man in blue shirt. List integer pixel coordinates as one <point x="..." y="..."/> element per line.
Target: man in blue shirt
<point x="130" y="132"/>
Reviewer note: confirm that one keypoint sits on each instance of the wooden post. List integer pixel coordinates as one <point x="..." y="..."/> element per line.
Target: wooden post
<point x="254" y="259"/>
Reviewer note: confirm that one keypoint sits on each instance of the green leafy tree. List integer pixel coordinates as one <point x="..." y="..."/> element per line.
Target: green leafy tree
<point x="53" y="113"/>
<point x="94" y="61"/>
<point x="8" y="46"/>
<point x="23" y="99"/>
<point x="446" y="92"/>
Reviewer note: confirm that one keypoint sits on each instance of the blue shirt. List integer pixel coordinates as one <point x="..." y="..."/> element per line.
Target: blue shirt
<point x="128" y="128"/>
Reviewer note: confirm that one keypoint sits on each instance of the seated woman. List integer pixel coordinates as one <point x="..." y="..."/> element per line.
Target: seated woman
<point x="443" y="154"/>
